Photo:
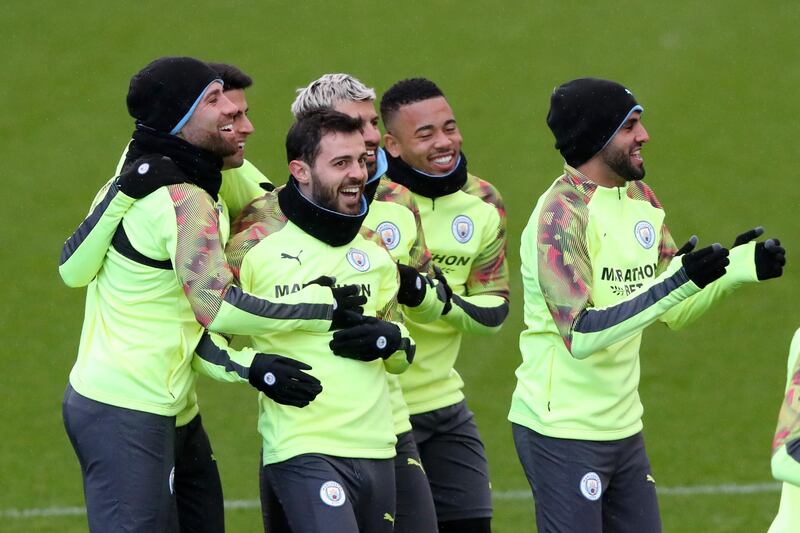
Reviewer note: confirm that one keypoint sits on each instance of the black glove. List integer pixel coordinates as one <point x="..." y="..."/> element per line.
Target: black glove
<point x="370" y="340"/>
<point x="444" y="288"/>
<point x="770" y="256"/>
<point x="149" y="173"/>
<point x="282" y="380"/>
<point x="347" y="302"/>
<point x="706" y="264"/>
<point x="770" y="259"/>
<point x="688" y="247"/>
<point x="748" y="236"/>
<point x="412" y="286"/>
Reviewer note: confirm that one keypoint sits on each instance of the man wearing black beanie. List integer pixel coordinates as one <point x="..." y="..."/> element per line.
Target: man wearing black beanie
<point x="160" y="283"/>
<point x="598" y="266"/>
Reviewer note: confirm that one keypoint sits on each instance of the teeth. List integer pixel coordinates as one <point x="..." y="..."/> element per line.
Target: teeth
<point x="227" y="127"/>
<point x="349" y="190"/>
<point x="370" y="152"/>
<point x="444" y="159"/>
<point x="241" y="146"/>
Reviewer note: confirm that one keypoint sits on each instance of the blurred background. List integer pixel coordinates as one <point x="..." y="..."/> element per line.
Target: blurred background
<point x="718" y="81"/>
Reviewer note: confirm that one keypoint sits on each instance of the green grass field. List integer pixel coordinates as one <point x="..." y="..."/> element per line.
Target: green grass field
<point x="717" y="79"/>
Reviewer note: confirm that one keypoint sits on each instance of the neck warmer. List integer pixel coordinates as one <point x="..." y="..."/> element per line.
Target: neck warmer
<point x="330" y="227"/>
<point x="201" y="167"/>
<point x="426" y="184"/>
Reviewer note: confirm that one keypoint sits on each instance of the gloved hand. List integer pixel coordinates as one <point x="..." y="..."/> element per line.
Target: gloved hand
<point x="149" y="173"/>
<point x="448" y="292"/>
<point x="282" y="380"/>
<point x="412" y="286"/>
<point x="688" y="246"/>
<point x="770" y="256"/>
<point x="347" y="302"/>
<point x="370" y="340"/>
<point x="706" y="264"/>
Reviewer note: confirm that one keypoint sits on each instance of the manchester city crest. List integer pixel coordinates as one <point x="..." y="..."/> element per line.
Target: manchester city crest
<point x="332" y="493"/>
<point x="358" y="259"/>
<point x="462" y="228"/>
<point x="591" y="486"/>
<point x="390" y="234"/>
<point x="645" y="234"/>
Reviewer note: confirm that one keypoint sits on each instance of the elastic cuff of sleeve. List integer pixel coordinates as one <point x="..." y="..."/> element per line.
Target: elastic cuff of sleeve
<point x="742" y="267"/>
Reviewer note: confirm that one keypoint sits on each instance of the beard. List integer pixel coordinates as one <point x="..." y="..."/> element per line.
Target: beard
<point x="327" y="196"/>
<point x="213" y="142"/>
<point x="619" y="161"/>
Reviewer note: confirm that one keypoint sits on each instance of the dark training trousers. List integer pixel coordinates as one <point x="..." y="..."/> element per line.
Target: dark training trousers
<point x="127" y="463"/>
<point x="589" y="486"/>
<point x="415" y="510"/>
<point x="455" y="461"/>
<point x="198" y="488"/>
<point x="321" y="493"/>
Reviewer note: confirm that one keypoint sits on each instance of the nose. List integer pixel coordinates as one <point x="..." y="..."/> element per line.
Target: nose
<point x="372" y="135"/>
<point x="246" y="127"/>
<point x="641" y="134"/>
<point x="226" y="106"/>
<point x="442" y="140"/>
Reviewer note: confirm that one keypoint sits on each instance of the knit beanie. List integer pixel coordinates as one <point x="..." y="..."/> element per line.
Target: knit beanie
<point x="585" y="114"/>
<point x="164" y="94"/>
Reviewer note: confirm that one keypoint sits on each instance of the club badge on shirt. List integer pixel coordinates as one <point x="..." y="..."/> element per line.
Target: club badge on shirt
<point x="462" y="228"/>
<point x="390" y="234"/>
<point x="358" y="259"/>
<point x="645" y="233"/>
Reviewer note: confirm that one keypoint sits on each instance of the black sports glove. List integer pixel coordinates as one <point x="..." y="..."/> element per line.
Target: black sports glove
<point x="748" y="236"/>
<point x="688" y="246"/>
<point x="149" y="173"/>
<point x="445" y="289"/>
<point x="282" y="380"/>
<point x="370" y="340"/>
<point x="412" y="286"/>
<point x="770" y="259"/>
<point x="706" y="264"/>
<point x="770" y="256"/>
<point x="347" y="302"/>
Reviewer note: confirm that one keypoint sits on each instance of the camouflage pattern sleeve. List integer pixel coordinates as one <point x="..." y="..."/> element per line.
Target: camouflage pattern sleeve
<point x="489" y="271"/>
<point x="564" y="266"/>
<point x="259" y="219"/>
<point x="788" y="429"/>
<point x="200" y="264"/>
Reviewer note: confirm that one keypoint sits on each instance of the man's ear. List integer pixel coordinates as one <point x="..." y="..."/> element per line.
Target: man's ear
<point x="391" y="145"/>
<point x="300" y="170"/>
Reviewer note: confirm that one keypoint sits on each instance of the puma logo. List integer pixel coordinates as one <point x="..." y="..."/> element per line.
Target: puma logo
<point x="650" y="479"/>
<point x="414" y="462"/>
<point x="388" y="517"/>
<point x="284" y="255"/>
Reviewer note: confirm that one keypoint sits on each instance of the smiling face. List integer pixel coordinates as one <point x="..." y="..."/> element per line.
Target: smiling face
<point x="425" y="135"/>
<point x="211" y="125"/>
<point x="242" y="128"/>
<point x="364" y="110"/>
<point x="622" y="156"/>
<point x="336" y="179"/>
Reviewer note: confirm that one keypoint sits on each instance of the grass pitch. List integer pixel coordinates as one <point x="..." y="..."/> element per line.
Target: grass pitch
<point x="718" y="83"/>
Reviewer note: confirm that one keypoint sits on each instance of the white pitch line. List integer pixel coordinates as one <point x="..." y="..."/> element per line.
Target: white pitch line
<point x="725" y="488"/>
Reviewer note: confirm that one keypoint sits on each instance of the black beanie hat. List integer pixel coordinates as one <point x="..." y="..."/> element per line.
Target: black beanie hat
<point x="585" y="114"/>
<point x="164" y="94"/>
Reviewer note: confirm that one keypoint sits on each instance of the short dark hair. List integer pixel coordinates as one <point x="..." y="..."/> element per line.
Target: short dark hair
<point x="232" y="77"/>
<point x="305" y="135"/>
<point x="405" y="92"/>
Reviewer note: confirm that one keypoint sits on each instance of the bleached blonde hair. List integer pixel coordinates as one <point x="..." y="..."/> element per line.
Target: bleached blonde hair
<point x="329" y="90"/>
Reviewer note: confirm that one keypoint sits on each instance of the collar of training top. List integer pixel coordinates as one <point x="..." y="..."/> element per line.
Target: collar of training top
<point x="426" y="184"/>
<point x="330" y="227"/>
<point x="201" y="167"/>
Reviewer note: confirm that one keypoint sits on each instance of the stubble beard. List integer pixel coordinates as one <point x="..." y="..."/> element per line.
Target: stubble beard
<point x="620" y="162"/>
<point x="326" y="196"/>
